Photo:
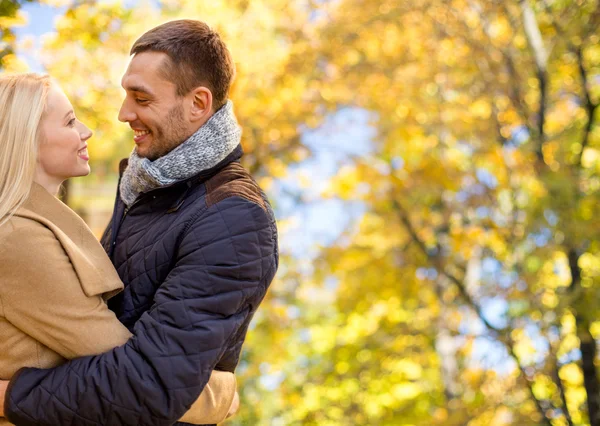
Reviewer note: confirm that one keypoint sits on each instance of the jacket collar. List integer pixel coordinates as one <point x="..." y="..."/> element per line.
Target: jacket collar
<point x="185" y="185"/>
<point x="94" y="269"/>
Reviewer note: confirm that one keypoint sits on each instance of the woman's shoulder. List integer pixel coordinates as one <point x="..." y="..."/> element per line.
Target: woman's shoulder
<point x="24" y="234"/>
<point x="23" y="220"/>
<point x="29" y="253"/>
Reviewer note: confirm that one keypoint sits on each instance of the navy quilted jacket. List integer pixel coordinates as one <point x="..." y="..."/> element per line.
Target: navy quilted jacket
<point x="196" y="259"/>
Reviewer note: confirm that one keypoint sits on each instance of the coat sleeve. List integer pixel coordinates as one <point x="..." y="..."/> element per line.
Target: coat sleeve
<point x="42" y="296"/>
<point x="215" y="400"/>
<point x="208" y="297"/>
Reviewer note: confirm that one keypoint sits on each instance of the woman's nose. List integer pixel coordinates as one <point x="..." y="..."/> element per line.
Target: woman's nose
<point x="85" y="133"/>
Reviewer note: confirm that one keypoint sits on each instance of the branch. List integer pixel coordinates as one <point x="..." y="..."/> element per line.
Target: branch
<point x="589" y="106"/>
<point x="590" y="376"/>
<point x="536" y="44"/>
<point x="515" y="94"/>
<point x="511" y="350"/>
<point x="513" y="90"/>
<point x="573" y="258"/>
<point x="534" y="37"/>
<point x="501" y="335"/>
<point x="594" y="21"/>
<point x="501" y="139"/>
<point x="559" y="384"/>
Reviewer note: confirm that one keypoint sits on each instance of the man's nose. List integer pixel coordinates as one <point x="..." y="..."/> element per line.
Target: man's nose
<point x="126" y="115"/>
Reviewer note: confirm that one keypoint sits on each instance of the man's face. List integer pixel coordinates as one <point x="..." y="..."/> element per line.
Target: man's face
<point x="152" y="108"/>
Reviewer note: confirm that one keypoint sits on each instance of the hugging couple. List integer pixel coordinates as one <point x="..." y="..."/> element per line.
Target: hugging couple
<point x="145" y="327"/>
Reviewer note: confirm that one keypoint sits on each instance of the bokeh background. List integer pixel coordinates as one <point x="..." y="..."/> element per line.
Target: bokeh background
<point x="435" y="169"/>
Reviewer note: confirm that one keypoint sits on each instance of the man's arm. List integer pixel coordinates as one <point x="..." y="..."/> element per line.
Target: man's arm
<point x="220" y="276"/>
<point x="206" y="409"/>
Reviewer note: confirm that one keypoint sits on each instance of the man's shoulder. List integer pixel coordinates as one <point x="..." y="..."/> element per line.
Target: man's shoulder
<point x="234" y="181"/>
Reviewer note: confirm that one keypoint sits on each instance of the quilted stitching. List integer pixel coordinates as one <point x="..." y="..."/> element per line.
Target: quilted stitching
<point x="193" y="280"/>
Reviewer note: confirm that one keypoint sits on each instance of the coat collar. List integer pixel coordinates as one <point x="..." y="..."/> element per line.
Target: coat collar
<point x="94" y="269"/>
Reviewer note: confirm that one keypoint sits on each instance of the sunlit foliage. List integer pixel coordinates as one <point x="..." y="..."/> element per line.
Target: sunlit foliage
<point x="466" y="291"/>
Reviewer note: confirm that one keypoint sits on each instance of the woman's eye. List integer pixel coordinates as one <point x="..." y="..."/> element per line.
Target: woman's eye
<point x="71" y="122"/>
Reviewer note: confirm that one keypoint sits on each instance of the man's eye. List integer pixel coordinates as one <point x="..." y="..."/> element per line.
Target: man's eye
<point x="141" y="101"/>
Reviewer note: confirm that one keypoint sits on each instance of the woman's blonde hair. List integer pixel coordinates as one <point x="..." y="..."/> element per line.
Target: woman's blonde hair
<point x="22" y="104"/>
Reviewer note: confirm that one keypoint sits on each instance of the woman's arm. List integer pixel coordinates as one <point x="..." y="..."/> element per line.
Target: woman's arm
<point x="212" y="406"/>
<point x="3" y="386"/>
<point x="42" y="296"/>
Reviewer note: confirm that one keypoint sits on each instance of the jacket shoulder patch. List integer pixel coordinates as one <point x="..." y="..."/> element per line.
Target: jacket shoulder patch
<point x="232" y="181"/>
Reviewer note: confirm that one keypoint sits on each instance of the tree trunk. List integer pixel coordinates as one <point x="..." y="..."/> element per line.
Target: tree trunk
<point x="590" y="376"/>
<point x="587" y="346"/>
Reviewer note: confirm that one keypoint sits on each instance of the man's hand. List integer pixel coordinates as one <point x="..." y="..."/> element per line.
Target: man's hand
<point x="3" y="386"/>
<point x="235" y="405"/>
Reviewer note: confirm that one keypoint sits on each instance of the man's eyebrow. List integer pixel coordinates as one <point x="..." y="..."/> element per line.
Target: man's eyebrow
<point x="136" y="88"/>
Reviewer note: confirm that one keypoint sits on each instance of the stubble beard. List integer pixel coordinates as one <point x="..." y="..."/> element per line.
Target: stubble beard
<point x="168" y="137"/>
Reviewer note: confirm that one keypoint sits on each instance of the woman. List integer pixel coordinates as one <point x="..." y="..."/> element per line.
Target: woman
<point x="56" y="277"/>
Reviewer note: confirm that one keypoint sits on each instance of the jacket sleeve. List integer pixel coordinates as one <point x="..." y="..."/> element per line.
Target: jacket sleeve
<point x="45" y="300"/>
<point x="208" y="297"/>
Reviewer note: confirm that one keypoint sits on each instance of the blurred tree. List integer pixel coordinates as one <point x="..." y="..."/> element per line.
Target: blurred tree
<point x="468" y="291"/>
<point x="482" y="229"/>
<point x="9" y="18"/>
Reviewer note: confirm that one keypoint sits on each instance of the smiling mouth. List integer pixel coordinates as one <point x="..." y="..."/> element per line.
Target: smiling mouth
<point x="83" y="153"/>
<point x="139" y="135"/>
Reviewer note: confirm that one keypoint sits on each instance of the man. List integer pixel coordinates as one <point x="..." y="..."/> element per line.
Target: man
<point x="192" y="237"/>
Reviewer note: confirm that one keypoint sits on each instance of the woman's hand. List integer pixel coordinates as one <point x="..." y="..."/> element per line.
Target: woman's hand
<point x="3" y="386"/>
<point x="235" y="405"/>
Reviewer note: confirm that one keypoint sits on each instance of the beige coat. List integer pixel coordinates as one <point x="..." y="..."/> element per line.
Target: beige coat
<point x="55" y="279"/>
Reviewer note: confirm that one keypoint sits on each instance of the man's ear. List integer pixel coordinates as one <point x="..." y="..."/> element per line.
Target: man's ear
<point x="202" y="101"/>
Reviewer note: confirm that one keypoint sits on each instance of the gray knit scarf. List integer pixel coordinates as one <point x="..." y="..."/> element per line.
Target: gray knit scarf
<point x="206" y="148"/>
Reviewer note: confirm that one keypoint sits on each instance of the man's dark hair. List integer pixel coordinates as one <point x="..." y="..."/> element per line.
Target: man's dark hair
<point x="198" y="57"/>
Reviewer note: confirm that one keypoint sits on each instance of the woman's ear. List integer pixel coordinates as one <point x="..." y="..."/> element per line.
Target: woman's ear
<point x="201" y="104"/>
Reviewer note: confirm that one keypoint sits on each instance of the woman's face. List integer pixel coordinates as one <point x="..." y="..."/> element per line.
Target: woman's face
<point x="62" y="152"/>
